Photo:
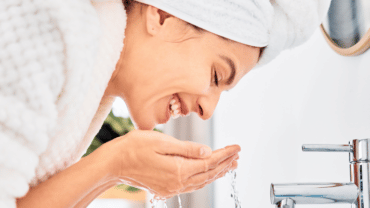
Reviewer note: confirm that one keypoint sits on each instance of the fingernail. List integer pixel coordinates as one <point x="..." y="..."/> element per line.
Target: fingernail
<point x="205" y="151"/>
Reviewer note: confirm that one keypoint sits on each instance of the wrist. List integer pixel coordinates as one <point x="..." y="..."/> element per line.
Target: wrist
<point x="106" y="163"/>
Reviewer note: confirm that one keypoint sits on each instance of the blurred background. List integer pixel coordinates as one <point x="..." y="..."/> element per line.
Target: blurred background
<point x="309" y="95"/>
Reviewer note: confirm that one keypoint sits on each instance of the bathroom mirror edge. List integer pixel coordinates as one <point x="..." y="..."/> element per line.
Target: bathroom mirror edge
<point x="357" y="49"/>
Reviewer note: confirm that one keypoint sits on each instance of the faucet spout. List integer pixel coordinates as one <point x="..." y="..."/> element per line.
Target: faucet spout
<point x="312" y="193"/>
<point x="285" y="203"/>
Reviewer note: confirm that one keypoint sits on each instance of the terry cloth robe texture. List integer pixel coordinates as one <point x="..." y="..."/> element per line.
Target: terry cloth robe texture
<point x="56" y="59"/>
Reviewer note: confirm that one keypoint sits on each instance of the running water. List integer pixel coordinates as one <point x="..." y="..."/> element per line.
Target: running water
<point x="178" y="197"/>
<point x="153" y="202"/>
<point x="234" y="192"/>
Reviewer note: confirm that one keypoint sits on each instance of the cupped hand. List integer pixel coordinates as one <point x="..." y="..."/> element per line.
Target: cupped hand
<point x="166" y="166"/>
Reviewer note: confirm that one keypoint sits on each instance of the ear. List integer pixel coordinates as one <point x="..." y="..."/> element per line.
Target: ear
<point x="155" y="19"/>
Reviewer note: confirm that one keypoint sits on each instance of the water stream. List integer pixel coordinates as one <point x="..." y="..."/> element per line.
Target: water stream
<point x="178" y="197"/>
<point x="155" y="202"/>
<point x="234" y="192"/>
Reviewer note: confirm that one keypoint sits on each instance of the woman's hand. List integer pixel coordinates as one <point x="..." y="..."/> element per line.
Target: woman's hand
<point x="166" y="166"/>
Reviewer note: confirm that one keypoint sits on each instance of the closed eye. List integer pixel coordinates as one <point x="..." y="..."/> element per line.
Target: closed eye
<point x="215" y="77"/>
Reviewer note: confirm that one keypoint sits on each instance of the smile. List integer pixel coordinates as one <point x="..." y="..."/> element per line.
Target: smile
<point x="177" y="107"/>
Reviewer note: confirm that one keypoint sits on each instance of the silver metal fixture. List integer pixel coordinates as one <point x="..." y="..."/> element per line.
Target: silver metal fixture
<point x="314" y="193"/>
<point x="356" y="192"/>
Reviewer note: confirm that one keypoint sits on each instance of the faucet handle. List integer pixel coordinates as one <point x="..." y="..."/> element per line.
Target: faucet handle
<point x="327" y="148"/>
<point x="358" y="149"/>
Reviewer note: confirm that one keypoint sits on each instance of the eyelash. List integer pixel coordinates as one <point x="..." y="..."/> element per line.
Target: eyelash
<point x="215" y="76"/>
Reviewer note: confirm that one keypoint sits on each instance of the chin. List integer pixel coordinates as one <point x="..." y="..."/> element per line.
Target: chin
<point x="143" y="125"/>
<point x="146" y="127"/>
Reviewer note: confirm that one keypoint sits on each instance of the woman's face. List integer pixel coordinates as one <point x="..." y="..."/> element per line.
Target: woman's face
<point x="173" y="60"/>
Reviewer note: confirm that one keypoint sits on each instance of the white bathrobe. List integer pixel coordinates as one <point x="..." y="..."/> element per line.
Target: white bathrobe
<point x="56" y="59"/>
<point x="57" y="56"/>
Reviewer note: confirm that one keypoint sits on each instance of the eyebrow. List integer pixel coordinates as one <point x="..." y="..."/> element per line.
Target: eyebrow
<point x="232" y="67"/>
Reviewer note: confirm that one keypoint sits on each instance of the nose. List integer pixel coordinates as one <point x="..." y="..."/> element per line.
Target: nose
<point x="207" y="104"/>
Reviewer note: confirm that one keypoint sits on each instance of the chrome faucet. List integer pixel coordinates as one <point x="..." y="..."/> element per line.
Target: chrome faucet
<point x="356" y="192"/>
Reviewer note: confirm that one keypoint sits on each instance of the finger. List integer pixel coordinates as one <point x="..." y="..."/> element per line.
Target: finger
<point x="201" y="178"/>
<point x="221" y="155"/>
<point x="220" y="175"/>
<point x="167" y="145"/>
<point x="190" y="189"/>
<point x="194" y="167"/>
<point x="229" y="168"/>
<point x="188" y="149"/>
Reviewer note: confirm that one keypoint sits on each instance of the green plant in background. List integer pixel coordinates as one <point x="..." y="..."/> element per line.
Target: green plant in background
<point x="120" y="126"/>
<point x="93" y="146"/>
<point x="113" y="127"/>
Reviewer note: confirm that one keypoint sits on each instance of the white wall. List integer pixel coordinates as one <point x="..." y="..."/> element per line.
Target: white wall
<point x="308" y="95"/>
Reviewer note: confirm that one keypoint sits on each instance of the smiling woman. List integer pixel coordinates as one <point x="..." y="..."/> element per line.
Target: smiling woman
<point x="196" y="67"/>
<point x="59" y="79"/>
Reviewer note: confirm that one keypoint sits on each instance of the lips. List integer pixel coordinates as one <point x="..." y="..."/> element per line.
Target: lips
<point x="182" y="109"/>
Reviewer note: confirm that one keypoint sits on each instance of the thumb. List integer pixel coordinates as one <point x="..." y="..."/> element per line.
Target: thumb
<point x="185" y="148"/>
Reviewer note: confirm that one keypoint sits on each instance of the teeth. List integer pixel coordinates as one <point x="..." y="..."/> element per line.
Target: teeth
<point x="174" y="107"/>
<point x="175" y="111"/>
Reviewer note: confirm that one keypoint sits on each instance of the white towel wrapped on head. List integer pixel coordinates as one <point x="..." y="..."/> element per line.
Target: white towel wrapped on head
<point x="274" y="24"/>
<point x="294" y="21"/>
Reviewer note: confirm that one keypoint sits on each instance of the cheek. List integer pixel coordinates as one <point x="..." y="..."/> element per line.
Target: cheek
<point x="193" y="84"/>
<point x="196" y="77"/>
<point x="185" y="68"/>
<point x="201" y="79"/>
<point x="200" y="85"/>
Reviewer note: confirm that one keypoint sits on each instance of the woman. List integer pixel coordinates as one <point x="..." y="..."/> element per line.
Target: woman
<point x="65" y="61"/>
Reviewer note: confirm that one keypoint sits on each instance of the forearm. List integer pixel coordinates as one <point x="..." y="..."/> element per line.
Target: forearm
<point x="69" y="187"/>
<point x="95" y="193"/>
<point x="102" y="112"/>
